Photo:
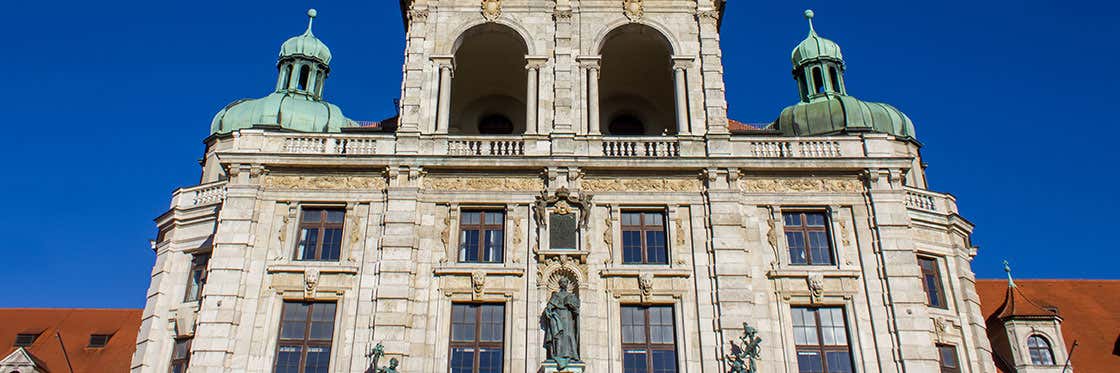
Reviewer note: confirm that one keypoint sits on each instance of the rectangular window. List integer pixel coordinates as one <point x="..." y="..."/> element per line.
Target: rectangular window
<point x="808" y="238"/>
<point x="306" y="332"/>
<point x="648" y="339"/>
<point x="477" y="337"/>
<point x="181" y="355"/>
<point x="25" y="339"/>
<point x="99" y="340"/>
<point x="482" y="236"/>
<point x="931" y="281"/>
<point x="197" y="277"/>
<point x="821" y="338"/>
<point x="643" y="238"/>
<point x="948" y="358"/>
<point x="320" y="234"/>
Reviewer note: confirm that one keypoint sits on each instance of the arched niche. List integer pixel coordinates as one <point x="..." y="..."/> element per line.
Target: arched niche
<point x="636" y="88"/>
<point x="489" y="85"/>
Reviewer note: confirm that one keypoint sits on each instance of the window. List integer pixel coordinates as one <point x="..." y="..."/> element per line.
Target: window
<point x="807" y="235"/>
<point x="931" y="281"/>
<point x="25" y="339"/>
<point x="197" y="277"/>
<point x="835" y="78"/>
<point x="477" y="337"/>
<point x="648" y="340"/>
<point x="481" y="236"/>
<point x="181" y="355"/>
<point x="947" y="355"/>
<point x="821" y="338"/>
<point x="1040" y="351"/>
<point x="306" y="331"/>
<point x="643" y="238"/>
<point x="320" y="234"/>
<point x="304" y="75"/>
<point x="818" y="80"/>
<point x="99" y="340"/>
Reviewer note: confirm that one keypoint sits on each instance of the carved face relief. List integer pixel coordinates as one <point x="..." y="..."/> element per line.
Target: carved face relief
<point x="478" y="283"/>
<point x="491" y="9"/>
<point x="645" y="284"/>
<point x="816" y="287"/>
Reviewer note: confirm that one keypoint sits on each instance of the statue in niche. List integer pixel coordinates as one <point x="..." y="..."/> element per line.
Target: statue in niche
<point x="744" y="358"/>
<point x="561" y="326"/>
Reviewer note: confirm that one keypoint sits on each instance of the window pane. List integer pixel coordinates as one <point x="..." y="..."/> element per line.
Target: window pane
<point x="819" y="248"/>
<point x="468" y="251"/>
<point x="655" y="218"/>
<point x="948" y="356"/>
<point x="814" y="219"/>
<point x="309" y="237"/>
<point x="839" y="361"/>
<point x="634" y="361"/>
<point x="318" y="359"/>
<point x="664" y="361"/>
<point x="631" y="218"/>
<point x="312" y="215"/>
<point x="287" y="359"/>
<point x="462" y="360"/>
<point x="335" y="216"/>
<point x="493" y="322"/>
<point x="809" y="362"/>
<point x="796" y="241"/>
<point x="655" y="246"/>
<point x="495" y="217"/>
<point x="332" y="244"/>
<point x="489" y="360"/>
<point x="632" y="247"/>
<point x="471" y="218"/>
<point x="792" y="219"/>
<point x="493" y="246"/>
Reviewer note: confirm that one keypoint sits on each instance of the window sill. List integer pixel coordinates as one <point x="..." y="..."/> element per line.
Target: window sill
<point x="827" y="271"/>
<point x="491" y="269"/>
<point x="632" y="270"/>
<point x="323" y="267"/>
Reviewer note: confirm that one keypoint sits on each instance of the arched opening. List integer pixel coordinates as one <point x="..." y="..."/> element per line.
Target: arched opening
<point x="834" y="76"/>
<point x="636" y="92"/>
<point x="818" y="80"/>
<point x="304" y="75"/>
<point x="489" y="86"/>
<point x="1040" y="351"/>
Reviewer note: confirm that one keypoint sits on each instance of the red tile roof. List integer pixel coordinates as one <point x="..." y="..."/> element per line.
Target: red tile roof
<point x="75" y="327"/>
<point x="1090" y="312"/>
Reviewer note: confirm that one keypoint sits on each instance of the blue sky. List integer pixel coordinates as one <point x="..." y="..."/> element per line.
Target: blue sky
<point x="107" y="103"/>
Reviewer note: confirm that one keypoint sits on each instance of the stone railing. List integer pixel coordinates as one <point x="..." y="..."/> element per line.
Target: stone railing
<point x="924" y="200"/>
<point x="815" y="148"/>
<point x="485" y="146"/>
<point x="648" y="147"/>
<point x="329" y="145"/>
<point x="205" y="194"/>
<point x="313" y="143"/>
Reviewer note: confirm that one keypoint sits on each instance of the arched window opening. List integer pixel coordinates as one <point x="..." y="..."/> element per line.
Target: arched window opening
<point x="495" y="124"/>
<point x="1041" y="353"/>
<point x="818" y="80"/>
<point x="286" y="77"/>
<point x="636" y="77"/>
<point x="488" y="89"/>
<point x="803" y="86"/>
<point x="304" y="75"/>
<point x="319" y="78"/>
<point x="626" y="125"/>
<point x="834" y="77"/>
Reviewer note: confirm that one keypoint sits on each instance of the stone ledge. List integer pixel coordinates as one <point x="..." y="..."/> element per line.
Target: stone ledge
<point x="638" y="271"/>
<point x="323" y="267"/>
<point x="802" y="273"/>
<point x="468" y="269"/>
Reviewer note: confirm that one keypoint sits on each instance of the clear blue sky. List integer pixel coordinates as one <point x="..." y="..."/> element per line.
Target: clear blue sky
<point x="106" y="104"/>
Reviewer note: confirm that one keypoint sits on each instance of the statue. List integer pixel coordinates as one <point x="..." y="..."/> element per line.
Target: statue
<point x="377" y="353"/>
<point x="561" y="324"/>
<point x="748" y="353"/>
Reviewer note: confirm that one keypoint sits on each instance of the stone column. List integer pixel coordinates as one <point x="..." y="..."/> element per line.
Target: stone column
<point x="680" y="67"/>
<point x="532" y="96"/>
<point x="446" y="66"/>
<point x="592" y="67"/>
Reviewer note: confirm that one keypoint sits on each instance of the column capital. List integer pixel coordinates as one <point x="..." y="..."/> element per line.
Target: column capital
<point x="590" y="62"/>
<point x="682" y="62"/>
<point x="444" y="61"/>
<point x="535" y="62"/>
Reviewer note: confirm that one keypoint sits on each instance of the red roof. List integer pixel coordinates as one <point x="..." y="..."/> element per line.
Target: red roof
<point x="738" y="127"/>
<point x="1090" y="312"/>
<point x="75" y="327"/>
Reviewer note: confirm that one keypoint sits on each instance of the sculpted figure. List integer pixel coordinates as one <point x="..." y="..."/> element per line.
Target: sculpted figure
<point x="561" y="324"/>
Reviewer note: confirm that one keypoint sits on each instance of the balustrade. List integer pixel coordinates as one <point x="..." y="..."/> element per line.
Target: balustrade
<point x="651" y="148"/>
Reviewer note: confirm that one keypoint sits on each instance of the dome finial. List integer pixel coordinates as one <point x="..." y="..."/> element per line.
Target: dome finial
<point x="1007" y="268"/>
<point x="809" y="16"/>
<point x="311" y="14"/>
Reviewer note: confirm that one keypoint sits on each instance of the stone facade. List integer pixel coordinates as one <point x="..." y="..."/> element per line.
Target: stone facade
<point x="404" y="193"/>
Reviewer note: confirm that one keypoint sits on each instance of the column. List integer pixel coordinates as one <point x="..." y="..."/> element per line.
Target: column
<point x="532" y="96"/>
<point x="679" y="75"/>
<point x="592" y="97"/>
<point x="443" y="113"/>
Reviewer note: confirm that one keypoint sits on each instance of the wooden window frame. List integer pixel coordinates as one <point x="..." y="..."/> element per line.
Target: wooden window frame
<point x="956" y="367"/>
<point x="181" y="361"/>
<point x="642" y="228"/>
<point x="805" y="229"/>
<point x="820" y="347"/>
<point x="935" y="271"/>
<point x="322" y="225"/>
<point x="648" y="346"/>
<point x="1047" y="348"/>
<point x="482" y="227"/>
<point x="477" y="344"/>
<point x="305" y="342"/>
<point x="199" y="264"/>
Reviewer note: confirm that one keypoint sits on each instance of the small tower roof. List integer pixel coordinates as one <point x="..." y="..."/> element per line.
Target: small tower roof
<point x="1018" y="305"/>
<point x="815" y="47"/>
<point x="307" y="45"/>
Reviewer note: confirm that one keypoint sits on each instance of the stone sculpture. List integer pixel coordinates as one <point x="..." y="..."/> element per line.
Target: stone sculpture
<point x="561" y="324"/>
<point x="746" y="359"/>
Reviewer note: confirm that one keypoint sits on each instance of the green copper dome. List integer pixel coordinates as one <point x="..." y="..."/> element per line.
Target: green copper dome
<point x="297" y="103"/>
<point x="306" y="45"/>
<point x="815" y="47"/>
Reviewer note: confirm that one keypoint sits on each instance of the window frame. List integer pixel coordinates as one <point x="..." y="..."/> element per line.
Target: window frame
<point x="477" y="344"/>
<point x="820" y="347"/>
<point x="306" y="341"/>
<point x="183" y="362"/>
<point x="1047" y="348"/>
<point x="805" y="229"/>
<point x="100" y="344"/>
<point x="941" y="349"/>
<point x="941" y="301"/>
<point x="34" y="337"/>
<point x="200" y="263"/>
<point x="648" y="346"/>
<point x="322" y="225"/>
<point x="643" y="229"/>
<point x="482" y="227"/>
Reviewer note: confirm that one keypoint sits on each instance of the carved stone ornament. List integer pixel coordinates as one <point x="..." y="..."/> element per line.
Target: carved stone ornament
<point x="640" y="185"/>
<point x="418" y="15"/>
<point x="786" y="185"/>
<point x="816" y="287"/>
<point x="325" y="182"/>
<point x="491" y="9"/>
<point x="310" y="282"/>
<point x="553" y="268"/>
<point x="845" y="237"/>
<point x="563" y="203"/>
<point x="478" y="284"/>
<point x="772" y="232"/>
<point x="562" y="14"/>
<point x="486" y="184"/>
<point x="634" y="9"/>
<point x="645" y="285"/>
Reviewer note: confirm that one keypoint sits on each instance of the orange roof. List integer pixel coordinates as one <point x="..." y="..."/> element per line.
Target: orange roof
<point x="1090" y="312"/>
<point x="75" y="327"/>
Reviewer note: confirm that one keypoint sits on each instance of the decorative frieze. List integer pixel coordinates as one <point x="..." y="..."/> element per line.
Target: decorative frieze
<point x="484" y="184"/>
<point x="324" y="182"/>
<point x="802" y="185"/>
<point x="640" y="185"/>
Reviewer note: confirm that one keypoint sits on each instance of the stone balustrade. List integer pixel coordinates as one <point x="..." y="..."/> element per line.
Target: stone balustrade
<point x="199" y="195"/>
<point x="799" y="147"/>
<point x="924" y="200"/>
<point x="485" y="146"/>
<point x="643" y="147"/>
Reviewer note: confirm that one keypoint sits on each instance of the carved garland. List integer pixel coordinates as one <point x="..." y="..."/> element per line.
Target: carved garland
<point x="324" y="182"/>
<point x="486" y="184"/>
<point x="784" y="185"/>
<point x="640" y="185"/>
